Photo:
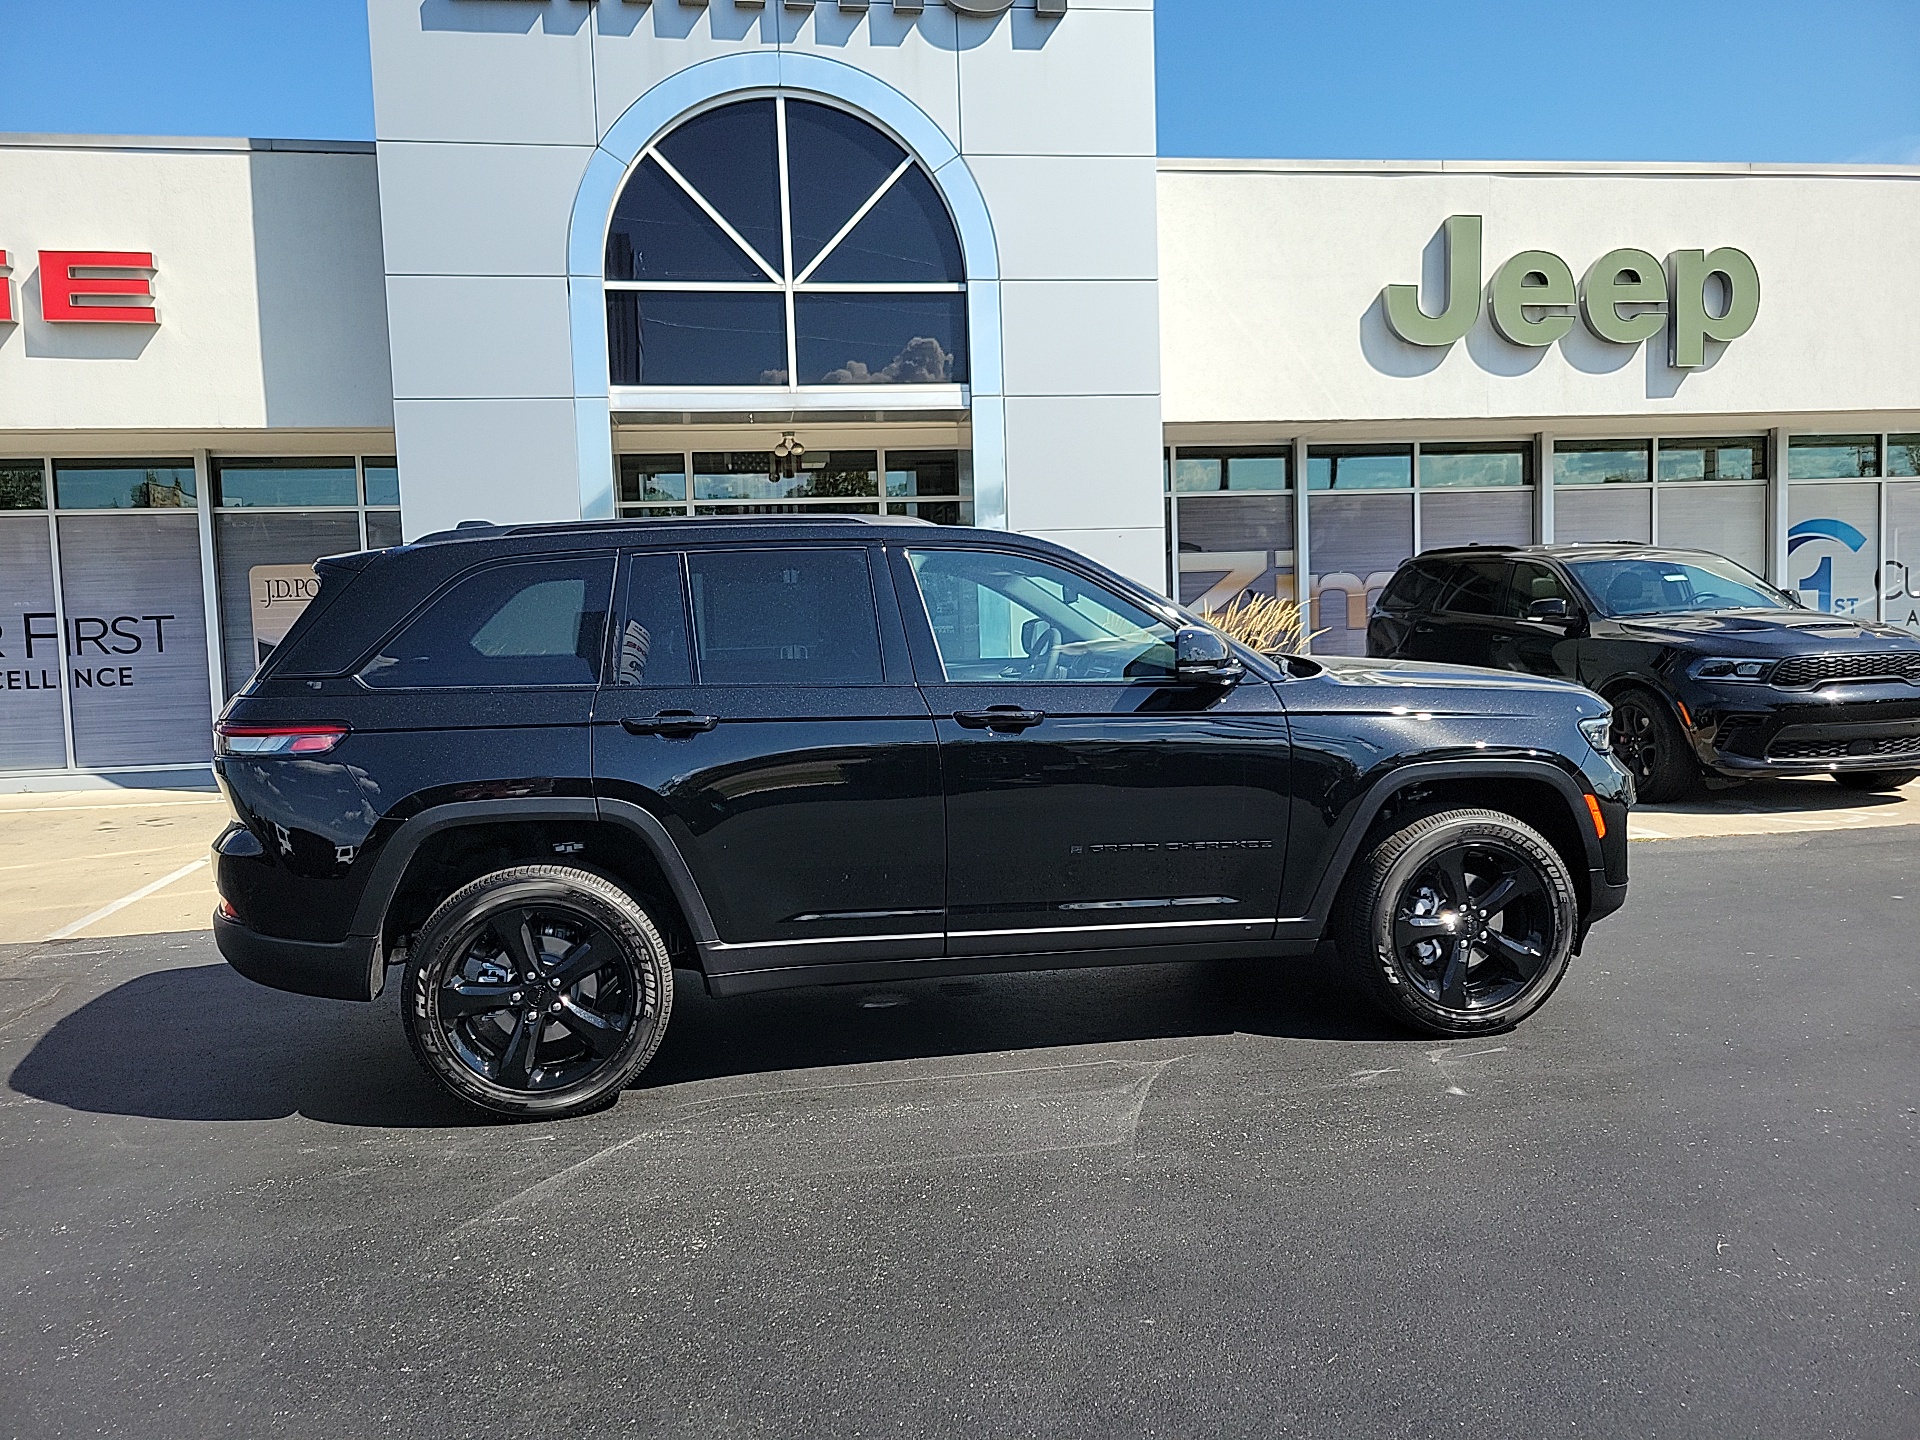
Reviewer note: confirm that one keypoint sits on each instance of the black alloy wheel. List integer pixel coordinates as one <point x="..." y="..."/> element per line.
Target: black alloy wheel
<point x="1649" y="742"/>
<point x="539" y="990"/>
<point x="1460" y="922"/>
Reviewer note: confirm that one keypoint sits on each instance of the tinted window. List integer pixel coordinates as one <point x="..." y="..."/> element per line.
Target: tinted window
<point x="651" y="647"/>
<point x="784" y="617"/>
<point x="999" y="617"/>
<point x="539" y="622"/>
<point x="1416" y="587"/>
<point x="1533" y="582"/>
<point x="1477" y="588"/>
<point x="1656" y="586"/>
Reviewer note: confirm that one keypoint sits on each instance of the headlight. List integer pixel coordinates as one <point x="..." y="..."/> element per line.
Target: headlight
<point x="1732" y="668"/>
<point x="1599" y="733"/>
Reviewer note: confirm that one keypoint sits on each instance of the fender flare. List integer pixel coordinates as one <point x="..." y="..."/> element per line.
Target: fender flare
<point x="1421" y="772"/>
<point x="398" y="853"/>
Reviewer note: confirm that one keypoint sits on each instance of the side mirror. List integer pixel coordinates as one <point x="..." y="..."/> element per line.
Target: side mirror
<point x="1203" y="657"/>
<point x="1554" y="609"/>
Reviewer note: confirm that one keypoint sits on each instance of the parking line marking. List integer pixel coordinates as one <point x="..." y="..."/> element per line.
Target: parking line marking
<point x="125" y="900"/>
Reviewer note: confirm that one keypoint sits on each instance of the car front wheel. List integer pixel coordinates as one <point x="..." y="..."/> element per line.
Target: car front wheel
<point x="537" y="991"/>
<point x="1650" y="744"/>
<point x="1458" y="923"/>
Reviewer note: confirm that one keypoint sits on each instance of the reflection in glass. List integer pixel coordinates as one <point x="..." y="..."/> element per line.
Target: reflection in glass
<point x="907" y="238"/>
<point x="383" y="529"/>
<point x="1602" y="462"/>
<point x="283" y="484"/>
<point x="1360" y="467"/>
<point x="123" y="484"/>
<point x="923" y="472"/>
<point x="1199" y="472"/>
<point x="730" y="155"/>
<point x="645" y="478"/>
<point x="1737" y="459"/>
<point x="1479" y="466"/>
<point x="824" y="475"/>
<point x="882" y="339"/>
<point x="383" y="479"/>
<point x="1833" y="457"/>
<point x="1903" y="455"/>
<point x="660" y="233"/>
<point x="681" y="338"/>
<point x="835" y="163"/>
<point x="22" y="485"/>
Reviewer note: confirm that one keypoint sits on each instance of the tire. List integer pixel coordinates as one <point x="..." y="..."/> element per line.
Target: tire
<point x="1401" y="938"/>
<point x="602" y="977"/>
<point x="1649" y="742"/>
<point x="1876" y="780"/>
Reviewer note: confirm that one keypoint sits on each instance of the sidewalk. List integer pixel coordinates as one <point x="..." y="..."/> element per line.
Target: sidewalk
<point x="1775" y="807"/>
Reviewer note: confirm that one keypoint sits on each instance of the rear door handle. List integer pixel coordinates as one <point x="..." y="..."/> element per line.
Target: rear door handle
<point x="1000" y="717"/>
<point x="670" y="723"/>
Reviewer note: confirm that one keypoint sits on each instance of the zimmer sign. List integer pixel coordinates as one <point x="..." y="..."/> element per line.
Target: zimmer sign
<point x="1624" y="297"/>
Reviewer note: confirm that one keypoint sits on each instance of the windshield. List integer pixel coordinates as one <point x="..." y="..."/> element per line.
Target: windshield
<point x="1658" y="585"/>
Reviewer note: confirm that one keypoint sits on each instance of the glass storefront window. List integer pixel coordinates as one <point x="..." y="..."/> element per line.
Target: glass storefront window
<point x="1199" y="472"/>
<point x="283" y="484"/>
<point x="123" y="484"/>
<point x="263" y="563"/>
<point x="1733" y="459"/>
<point x="1358" y="541"/>
<point x="935" y="480"/>
<point x="1900" y="579"/>
<point x="1475" y="466"/>
<point x="881" y="339"/>
<point x="1234" y="545"/>
<point x="1360" y="467"/>
<point x="823" y="475"/>
<point x="382" y="474"/>
<point x="1903" y="455"/>
<point x="1603" y="514"/>
<point x="1602" y="462"/>
<point x="32" y="733"/>
<point x="652" y="479"/>
<point x="23" y="485"/>
<point x="1833" y="457"/>
<point x="1728" y="520"/>
<point x="1833" y="546"/>
<point x="1452" y="519"/>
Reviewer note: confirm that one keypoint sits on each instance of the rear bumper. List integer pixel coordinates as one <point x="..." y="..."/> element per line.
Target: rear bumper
<point x="348" y="969"/>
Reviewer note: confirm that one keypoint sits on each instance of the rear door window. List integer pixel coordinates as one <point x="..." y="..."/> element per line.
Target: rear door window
<point x="1416" y="587"/>
<point x="1477" y="588"/>
<point x="784" y="617"/>
<point x="1532" y="581"/>
<point x="651" y="647"/>
<point x="520" y="624"/>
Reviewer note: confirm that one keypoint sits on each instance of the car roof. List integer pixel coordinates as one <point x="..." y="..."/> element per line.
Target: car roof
<point x="1576" y="550"/>
<point x="628" y="528"/>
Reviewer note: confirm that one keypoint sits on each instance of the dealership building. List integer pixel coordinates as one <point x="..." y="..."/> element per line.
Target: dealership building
<point x="696" y="257"/>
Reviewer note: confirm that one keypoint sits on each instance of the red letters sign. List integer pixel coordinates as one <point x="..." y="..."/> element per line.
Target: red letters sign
<point x="62" y="289"/>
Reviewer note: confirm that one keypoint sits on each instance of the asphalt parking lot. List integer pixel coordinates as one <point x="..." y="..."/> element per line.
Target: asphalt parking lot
<point x="1186" y="1199"/>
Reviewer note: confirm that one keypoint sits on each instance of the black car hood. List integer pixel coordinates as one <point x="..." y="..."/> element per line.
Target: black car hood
<point x="1766" y="632"/>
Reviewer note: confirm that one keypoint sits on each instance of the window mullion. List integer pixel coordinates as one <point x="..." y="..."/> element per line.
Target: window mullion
<point x="712" y="214"/>
<point x="786" y="240"/>
<point x="858" y="215"/>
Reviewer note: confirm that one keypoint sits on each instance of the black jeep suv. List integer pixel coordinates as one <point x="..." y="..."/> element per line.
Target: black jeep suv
<point x="543" y="767"/>
<point x="1707" y="665"/>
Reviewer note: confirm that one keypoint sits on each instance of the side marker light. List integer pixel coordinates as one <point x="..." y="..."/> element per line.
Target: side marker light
<point x="1599" y="820"/>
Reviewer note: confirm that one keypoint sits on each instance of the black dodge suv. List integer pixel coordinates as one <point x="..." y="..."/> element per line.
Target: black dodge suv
<point x="1709" y="668"/>
<point x="543" y="767"/>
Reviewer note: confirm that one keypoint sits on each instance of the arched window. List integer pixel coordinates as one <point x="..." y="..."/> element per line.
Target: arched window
<point x="781" y="242"/>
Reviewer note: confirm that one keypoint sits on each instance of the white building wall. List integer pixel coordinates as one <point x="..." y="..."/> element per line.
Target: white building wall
<point x="268" y="287"/>
<point x="1270" y="307"/>
<point x="488" y="116"/>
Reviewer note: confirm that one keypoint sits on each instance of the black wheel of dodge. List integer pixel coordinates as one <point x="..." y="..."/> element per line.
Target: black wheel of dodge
<point x="1459" y="923"/>
<point x="537" y="991"/>
<point x="1648" y="741"/>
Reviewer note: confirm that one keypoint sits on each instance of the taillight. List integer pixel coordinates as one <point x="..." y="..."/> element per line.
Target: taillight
<point x="276" y="739"/>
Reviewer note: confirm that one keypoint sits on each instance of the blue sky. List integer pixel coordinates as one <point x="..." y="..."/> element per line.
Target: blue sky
<point x="1814" y="80"/>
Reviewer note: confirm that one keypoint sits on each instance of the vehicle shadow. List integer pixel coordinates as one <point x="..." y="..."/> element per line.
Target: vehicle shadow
<point x="202" y="1043"/>
<point x="1812" y="795"/>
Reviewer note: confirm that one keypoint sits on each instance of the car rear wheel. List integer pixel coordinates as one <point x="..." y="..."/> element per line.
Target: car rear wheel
<point x="1458" y="923"/>
<point x="537" y="991"/>
<point x="1876" y="779"/>
<point x="1648" y="741"/>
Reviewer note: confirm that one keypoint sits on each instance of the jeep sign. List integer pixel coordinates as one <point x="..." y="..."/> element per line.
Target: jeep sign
<point x="1533" y="297"/>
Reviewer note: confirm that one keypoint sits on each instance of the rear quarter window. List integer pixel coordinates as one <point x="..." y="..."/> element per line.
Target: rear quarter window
<point x="513" y="625"/>
<point x="1416" y="587"/>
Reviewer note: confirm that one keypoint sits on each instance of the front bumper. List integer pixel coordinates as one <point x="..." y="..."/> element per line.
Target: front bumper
<point x="1756" y="732"/>
<point x="347" y="969"/>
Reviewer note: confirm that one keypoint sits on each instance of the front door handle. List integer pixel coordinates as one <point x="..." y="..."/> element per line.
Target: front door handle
<point x="1000" y="717"/>
<point x="670" y="723"/>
